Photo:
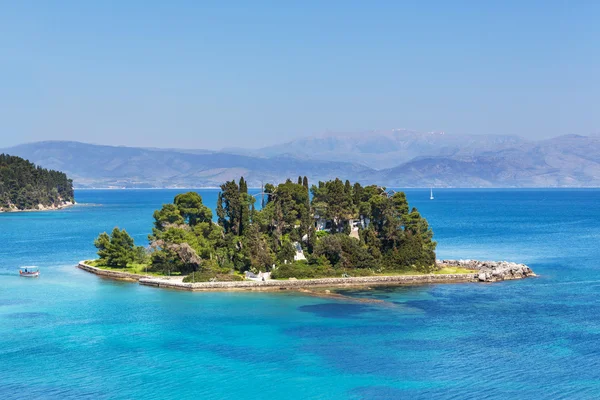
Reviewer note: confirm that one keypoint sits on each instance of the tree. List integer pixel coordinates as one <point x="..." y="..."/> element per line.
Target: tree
<point x="102" y="243"/>
<point x="343" y="251"/>
<point x="246" y="203"/>
<point x="230" y="197"/>
<point x="186" y="240"/>
<point x="259" y="252"/>
<point x="357" y="193"/>
<point x="221" y="212"/>
<point x="410" y="255"/>
<point x="417" y="225"/>
<point x="191" y="208"/>
<point x="24" y="186"/>
<point x="269" y="189"/>
<point x="169" y="214"/>
<point x="286" y="252"/>
<point x="121" y="248"/>
<point x="116" y="250"/>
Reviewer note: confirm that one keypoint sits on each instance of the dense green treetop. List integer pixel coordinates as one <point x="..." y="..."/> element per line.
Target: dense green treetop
<point x="24" y="186"/>
<point x="368" y="230"/>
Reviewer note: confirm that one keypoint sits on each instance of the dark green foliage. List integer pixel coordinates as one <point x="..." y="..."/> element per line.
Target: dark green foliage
<point x="258" y="250"/>
<point x="286" y="252"/>
<point x="220" y="211"/>
<point x="116" y="250"/>
<point x="24" y="186"/>
<point x="333" y="200"/>
<point x="372" y="231"/>
<point x="231" y="216"/>
<point x="191" y="208"/>
<point x="410" y="255"/>
<point x="344" y="252"/>
<point x="168" y="215"/>
<point x="207" y="276"/>
<point x="246" y="206"/>
<point x="140" y="255"/>
<point x="184" y="237"/>
<point x="303" y="270"/>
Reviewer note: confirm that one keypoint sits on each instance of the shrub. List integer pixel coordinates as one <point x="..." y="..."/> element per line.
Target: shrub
<point x="343" y="251"/>
<point x="410" y="255"/>
<point x="302" y="270"/>
<point x="321" y="234"/>
<point x="116" y="250"/>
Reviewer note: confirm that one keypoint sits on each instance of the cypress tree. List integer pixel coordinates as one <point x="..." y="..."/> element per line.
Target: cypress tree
<point x="221" y="212"/>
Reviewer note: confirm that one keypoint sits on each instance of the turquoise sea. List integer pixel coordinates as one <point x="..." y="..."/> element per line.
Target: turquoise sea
<point x="72" y="335"/>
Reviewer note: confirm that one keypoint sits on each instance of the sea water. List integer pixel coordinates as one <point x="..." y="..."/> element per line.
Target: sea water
<point x="72" y="335"/>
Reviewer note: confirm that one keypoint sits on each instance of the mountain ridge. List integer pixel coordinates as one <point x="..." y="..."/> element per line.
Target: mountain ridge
<point x="121" y="166"/>
<point x="411" y="159"/>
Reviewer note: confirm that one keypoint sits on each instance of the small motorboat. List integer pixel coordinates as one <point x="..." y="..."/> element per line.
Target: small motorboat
<point x="29" y="272"/>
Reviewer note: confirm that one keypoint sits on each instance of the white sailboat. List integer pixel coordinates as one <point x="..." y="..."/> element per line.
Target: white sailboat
<point x="431" y="194"/>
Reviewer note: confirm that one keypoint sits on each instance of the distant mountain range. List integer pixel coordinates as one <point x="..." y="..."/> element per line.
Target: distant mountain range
<point x="386" y="149"/>
<point x="397" y="158"/>
<point x="95" y="166"/>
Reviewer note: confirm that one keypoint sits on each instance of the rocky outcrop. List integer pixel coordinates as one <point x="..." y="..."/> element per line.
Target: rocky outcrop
<point x="491" y="271"/>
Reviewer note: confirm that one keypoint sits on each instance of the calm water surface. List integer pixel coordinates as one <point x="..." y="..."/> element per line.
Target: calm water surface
<point x="72" y="335"/>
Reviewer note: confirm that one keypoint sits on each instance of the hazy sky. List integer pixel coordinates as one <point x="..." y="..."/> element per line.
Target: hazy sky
<point x="209" y="75"/>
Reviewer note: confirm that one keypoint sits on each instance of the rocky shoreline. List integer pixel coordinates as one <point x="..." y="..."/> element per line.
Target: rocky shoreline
<point x="483" y="271"/>
<point x="40" y="207"/>
<point x="491" y="271"/>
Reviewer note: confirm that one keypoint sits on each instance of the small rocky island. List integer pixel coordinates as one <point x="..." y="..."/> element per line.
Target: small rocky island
<point x="25" y="187"/>
<point x="331" y="234"/>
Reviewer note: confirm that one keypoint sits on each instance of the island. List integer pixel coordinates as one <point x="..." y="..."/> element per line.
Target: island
<point x="25" y="187"/>
<point x="330" y="234"/>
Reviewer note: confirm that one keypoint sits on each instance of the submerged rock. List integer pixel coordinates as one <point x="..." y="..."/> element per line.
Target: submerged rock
<point x="491" y="271"/>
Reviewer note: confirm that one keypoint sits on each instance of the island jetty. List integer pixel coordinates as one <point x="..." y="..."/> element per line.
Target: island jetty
<point x="483" y="271"/>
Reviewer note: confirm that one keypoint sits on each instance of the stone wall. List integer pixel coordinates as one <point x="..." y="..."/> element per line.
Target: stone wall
<point x="124" y="276"/>
<point x="483" y="271"/>
<point x="308" y="283"/>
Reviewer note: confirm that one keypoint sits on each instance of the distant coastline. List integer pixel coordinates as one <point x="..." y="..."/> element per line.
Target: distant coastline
<point x="40" y="207"/>
<point x="27" y="187"/>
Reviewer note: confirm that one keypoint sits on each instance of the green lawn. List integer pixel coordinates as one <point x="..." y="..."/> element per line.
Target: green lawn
<point x="454" y="270"/>
<point x="140" y="269"/>
<point x="442" y="271"/>
<point x="131" y="268"/>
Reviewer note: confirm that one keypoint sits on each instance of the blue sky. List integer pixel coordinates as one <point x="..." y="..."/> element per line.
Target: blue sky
<point x="211" y="75"/>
